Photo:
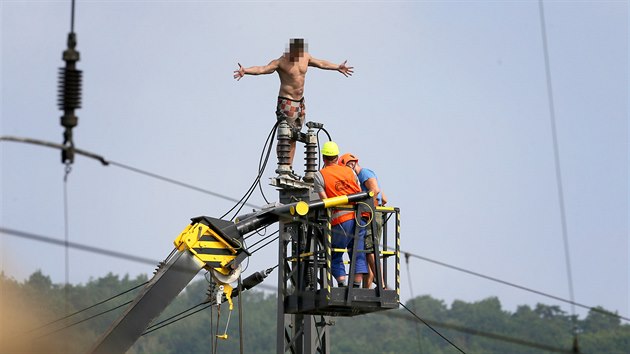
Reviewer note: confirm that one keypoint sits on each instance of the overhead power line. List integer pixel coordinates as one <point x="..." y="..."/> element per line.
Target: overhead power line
<point x="89" y="307"/>
<point x="75" y="245"/>
<point x="106" y="162"/>
<point x="85" y="319"/>
<point x="475" y="332"/>
<point x="133" y="258"/>
<point x="393" y="314"/>
<point x="556" y="151"/>
<point x="178" y="183"/>
<point x="459" y="269"/>
<point x="186" y="185"/>
<point x="431" y="328"/>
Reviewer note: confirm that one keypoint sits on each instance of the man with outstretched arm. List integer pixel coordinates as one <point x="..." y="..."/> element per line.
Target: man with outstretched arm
<point x="291" y="68"/>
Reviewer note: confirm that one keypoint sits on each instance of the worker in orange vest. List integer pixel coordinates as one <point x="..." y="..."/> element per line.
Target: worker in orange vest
<point x="331" y="181"/>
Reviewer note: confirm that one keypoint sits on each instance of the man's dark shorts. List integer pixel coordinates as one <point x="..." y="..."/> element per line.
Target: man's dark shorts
<point x="369" y="238"/>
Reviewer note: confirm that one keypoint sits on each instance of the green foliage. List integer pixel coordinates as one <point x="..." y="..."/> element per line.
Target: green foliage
<point x="478" y="327"/>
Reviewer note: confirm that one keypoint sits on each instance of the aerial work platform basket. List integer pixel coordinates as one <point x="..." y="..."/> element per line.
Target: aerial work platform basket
<point x="308" y="285"/>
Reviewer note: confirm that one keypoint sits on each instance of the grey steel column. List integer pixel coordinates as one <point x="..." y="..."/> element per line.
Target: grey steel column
<point x="167" y="283"/>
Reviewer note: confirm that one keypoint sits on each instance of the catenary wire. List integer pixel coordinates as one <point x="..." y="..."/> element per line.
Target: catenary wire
<point x="85" y="319"/>
<point x="564" y="222"/>
<point x="75" y="245"/>
<point x="435" y="323"/>
<point x="412" y="296"/>
<point x="133" y="258"/>
<point x="516" y="286"/>
<point x="106" y="162"/>
<point x="176" y="182"/>
<point x="431" y="328"/>
<point x="66" y="232"/>
<point x="87" y="308"/>
<point x="556" y="154"/>
<point x="476" y="332"/>
<point x="454" y="327"/>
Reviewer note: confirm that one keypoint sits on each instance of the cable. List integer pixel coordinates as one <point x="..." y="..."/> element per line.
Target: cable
<point x="413" y="296"/>
<point x="68" y="169"/>
<point x="78" y="246"/>
<point x="248" y="284"/>
<point x="106" y="162"/>
<point x="260" y="164"/>
<point x="433" y="329"/>
<point x="249" y="192"/>
<point x="327" y="134"/>
<point x="240" y="316"/>
<point x="155" y="328"/>
<point x="212" y="334"/>
<point x="264" y="238"/>
<point x="87" y="308"/>
<point x="261" y="170"/>
<point x="454" y="327"/>
<point x="265" y="245"/>
<point x="319" y="161"/>
<point x="157" y="325"/>
<point x="516" y="286"/>
<point x="173" y="181"/>
<point x="476" y="332"/>
<point x="49" y="144"/>
<point x="134" y="258"/>
<point x="85" y="319"/>
<point x="556" y="154"/>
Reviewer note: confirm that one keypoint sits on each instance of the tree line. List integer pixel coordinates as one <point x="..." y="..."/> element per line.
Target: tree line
<point x="33" y="321"/>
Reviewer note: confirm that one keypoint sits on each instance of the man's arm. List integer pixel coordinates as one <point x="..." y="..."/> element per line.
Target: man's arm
<point x="318" y="185"/>
<point x="256" y="70"/>
<point x="326" y="65"/>
<point x="372" y="185"/>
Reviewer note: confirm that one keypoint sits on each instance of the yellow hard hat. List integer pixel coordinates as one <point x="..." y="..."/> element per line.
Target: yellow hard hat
<point x="330" y="148"/>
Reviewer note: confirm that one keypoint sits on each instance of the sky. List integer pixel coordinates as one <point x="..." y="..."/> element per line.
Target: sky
<point x="449" y="105"/>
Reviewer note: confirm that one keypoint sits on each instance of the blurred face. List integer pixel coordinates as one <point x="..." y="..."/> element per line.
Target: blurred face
<point x="351" y="164"/>
<point x="297" y="47"/>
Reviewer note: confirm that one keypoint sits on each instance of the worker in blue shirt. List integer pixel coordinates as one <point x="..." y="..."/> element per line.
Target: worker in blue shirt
<point x="368" y="182"/>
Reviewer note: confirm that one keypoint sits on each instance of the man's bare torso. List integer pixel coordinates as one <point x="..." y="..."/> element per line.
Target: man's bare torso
<point x="292" y="76"/>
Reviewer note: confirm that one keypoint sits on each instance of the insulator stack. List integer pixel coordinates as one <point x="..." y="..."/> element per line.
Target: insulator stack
<point x="311" y="155"/>
<point x="283" y="147"/>
<point x="69" y="96"/>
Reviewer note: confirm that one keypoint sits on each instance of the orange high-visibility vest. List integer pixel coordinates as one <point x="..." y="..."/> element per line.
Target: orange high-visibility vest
<point x="340" y="180"/>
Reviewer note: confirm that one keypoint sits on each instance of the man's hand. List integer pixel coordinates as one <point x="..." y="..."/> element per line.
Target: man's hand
<point x="345" y="70"/>
<point x="238" y="74"/>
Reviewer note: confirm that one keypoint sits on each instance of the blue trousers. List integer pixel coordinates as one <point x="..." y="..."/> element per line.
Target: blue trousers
<point x="343" y="237"/>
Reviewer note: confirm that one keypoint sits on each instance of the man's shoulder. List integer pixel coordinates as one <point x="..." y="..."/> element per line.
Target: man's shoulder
<point x="366" y="173"/>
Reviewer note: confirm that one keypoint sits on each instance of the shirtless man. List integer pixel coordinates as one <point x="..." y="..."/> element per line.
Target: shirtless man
<point x="291" y="68"/>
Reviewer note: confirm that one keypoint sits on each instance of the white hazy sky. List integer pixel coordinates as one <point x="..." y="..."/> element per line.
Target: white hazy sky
<point x="449" y="105"/>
